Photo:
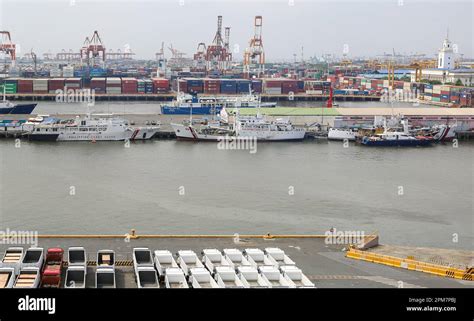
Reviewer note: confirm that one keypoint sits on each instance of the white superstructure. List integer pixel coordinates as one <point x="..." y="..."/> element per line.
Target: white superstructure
<point x="244" y="127"/>
<point x="90" y="129"/>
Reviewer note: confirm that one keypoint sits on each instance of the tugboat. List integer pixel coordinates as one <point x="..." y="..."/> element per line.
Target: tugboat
<point x="396" y="138"/>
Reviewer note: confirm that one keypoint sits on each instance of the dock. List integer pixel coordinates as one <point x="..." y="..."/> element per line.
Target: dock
<point x="326" y="265"/>
<point x="172" y="95"/>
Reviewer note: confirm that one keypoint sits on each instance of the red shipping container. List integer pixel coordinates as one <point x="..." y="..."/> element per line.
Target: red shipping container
<point x="272" y="83"/>
<point x="129" y="86"/>
<point x="56" y="83"/>
<point x="183" y="86"/>
<point x="162" y="83"/>
<point x="98" y="84"/>
<point x="25" y="86"/>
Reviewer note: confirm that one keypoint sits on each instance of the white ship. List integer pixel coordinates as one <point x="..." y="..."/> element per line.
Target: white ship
<point x="90" y="129"/>
<point x="243" y="127"/>
<point x="342" y="134"/>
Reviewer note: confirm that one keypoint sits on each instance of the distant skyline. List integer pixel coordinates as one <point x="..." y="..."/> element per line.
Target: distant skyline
<point x="365" y="28"/>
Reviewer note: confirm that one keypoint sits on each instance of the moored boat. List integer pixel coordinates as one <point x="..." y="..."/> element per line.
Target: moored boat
<point x="89" y="129"/>
<point x="397" y="138"/>
<point x="210" y="105"/>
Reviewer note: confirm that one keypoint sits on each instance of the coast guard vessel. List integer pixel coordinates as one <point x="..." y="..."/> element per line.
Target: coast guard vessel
<point x="89" y="129"/>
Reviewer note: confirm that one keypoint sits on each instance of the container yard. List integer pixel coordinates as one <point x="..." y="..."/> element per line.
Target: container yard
<point x="156" y="155"/>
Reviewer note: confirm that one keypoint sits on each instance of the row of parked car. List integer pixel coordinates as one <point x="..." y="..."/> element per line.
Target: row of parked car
<point x="228" y="269"/>
<point x="33" y="269"/>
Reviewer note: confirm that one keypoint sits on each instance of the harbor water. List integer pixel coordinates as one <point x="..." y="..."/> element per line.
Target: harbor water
<point x="412" y="196"/>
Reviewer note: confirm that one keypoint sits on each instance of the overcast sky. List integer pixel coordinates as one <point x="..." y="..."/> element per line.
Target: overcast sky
<point x="367" y="27"/>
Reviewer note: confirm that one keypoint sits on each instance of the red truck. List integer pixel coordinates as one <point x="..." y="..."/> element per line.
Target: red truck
<point x="51" y="274"/>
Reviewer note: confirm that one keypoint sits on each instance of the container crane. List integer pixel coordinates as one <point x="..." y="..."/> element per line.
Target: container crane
<point x="217" y="54"/>
<point x="68" y="55"/>
<point x="7" y="46"/>
<point x="255" y="52"/>
<point x="416" y="65"/>
<point x="35" y="60"/>
<point x="160" y="55"/>
<point x="200" y="56"/>
<point x="93" y="49"/>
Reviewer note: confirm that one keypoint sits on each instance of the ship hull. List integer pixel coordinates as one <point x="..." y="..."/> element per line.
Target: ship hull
<point x="6" y="111"/>
<point x="23" y="109"/>
<point x="171" y="110"/>
<point x="20" y="109"/>
<point x="396" y="143"/>
<point x="184" y="132"/>
<point x="203" y="110"/>
<point x="43" y="137"/>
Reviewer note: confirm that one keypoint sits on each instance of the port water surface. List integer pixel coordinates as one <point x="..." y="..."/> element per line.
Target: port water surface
<point x="412" y="196"/>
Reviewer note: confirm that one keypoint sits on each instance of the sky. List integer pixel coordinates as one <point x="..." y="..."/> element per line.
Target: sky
<point x="364" y="28"/>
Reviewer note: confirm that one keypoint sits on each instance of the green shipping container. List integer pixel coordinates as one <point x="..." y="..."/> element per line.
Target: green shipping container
<point x="9" y="88"/>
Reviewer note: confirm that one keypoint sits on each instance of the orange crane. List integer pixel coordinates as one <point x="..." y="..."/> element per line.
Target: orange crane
<point x="93" y="48"/>
<point x="217" y="53"/>
<point x="7" y="46"/>
<point x="255" y="54"/>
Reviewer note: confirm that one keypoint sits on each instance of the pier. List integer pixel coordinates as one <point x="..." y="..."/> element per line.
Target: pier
<point x="170" y="96"/>
<point x="325" y="263"/>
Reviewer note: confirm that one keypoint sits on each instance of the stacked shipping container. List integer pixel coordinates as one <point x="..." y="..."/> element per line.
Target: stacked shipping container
<point x="113" y="85"/>
<point x="129" y="86"/>
<point x="160" y="85"/>
<point x="55" y="84"/>
<point x="212" y="86"/>
<point x="228" y="86"/>
<point x="73" y="84"/>
<point x="40" y="86"/>
<point x="98" y="85"/>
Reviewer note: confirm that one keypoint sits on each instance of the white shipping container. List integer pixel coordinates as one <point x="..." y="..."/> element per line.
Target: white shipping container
<point x="314" y="92"/>
<point x="273" y="91"/>
<point x="114" y="80"/>
<point x="114" y="90"/>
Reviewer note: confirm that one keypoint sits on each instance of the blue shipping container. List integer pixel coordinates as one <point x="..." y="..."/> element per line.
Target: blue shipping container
<point x="228" y="86"/>
<point x="243" y="86"/>
<point x="195" y="82"/>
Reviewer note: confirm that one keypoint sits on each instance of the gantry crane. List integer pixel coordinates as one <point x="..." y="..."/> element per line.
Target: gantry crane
<point x="416" y="65"/>
<point x="68" y="55"/>
<point x="200" y="56"/>
<point x="218" y="56"/>
<point x="35" y="60"/>
<point x="93" y="49"/>
<point x="119" y="55"/>
<point x="255" y="54"/>
<point x="160" y="55"/>
<point x="160" y="58"/>
<point x="7" y="46"/>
